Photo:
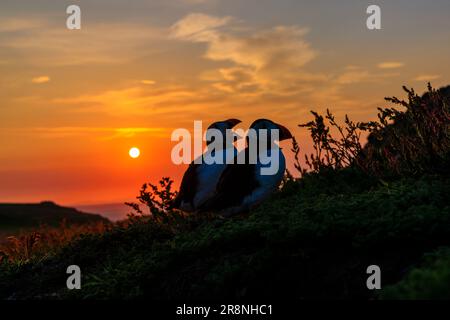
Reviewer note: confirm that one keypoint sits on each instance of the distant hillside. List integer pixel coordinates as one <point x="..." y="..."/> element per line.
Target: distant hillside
<point x="113" y="211"/>
<point x="14" y="217"/>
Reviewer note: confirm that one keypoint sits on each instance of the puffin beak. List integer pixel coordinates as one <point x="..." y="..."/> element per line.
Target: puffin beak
<point x="233" y="122"/>
<point x="284" y="133"/>
<point x="236" y="136"/>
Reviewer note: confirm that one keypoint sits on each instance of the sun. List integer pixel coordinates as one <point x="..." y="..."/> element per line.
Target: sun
<point x="134" y="152"/>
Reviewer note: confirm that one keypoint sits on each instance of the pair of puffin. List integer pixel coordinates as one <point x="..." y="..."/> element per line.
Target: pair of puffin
<point x="229" y="189"/>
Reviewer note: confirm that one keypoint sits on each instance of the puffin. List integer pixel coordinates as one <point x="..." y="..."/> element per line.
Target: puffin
<point x="242" y="186"/>
<point x="200" y="179"/>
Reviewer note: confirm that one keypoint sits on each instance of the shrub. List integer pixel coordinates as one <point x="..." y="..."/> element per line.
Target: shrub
<point x="46" y="240"/>
<point x="157" y="201"/>
<point x="333" y="152"/>
<point x="400" y="143"/>
<point x="413" y="141"/>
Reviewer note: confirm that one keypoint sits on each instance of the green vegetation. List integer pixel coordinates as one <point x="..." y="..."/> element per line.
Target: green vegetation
<point x="429" y="282"/>
<point x="313" y="239"/>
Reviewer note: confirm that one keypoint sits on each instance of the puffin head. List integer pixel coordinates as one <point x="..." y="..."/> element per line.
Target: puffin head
<point x="269" y="125"/>
<point x="223" y="126"/>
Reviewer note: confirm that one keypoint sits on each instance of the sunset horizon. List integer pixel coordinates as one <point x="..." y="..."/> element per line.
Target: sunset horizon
<point x="75" y="101"/>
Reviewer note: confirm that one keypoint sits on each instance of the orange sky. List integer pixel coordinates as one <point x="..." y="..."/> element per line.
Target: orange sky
<point x="73" y="102"/>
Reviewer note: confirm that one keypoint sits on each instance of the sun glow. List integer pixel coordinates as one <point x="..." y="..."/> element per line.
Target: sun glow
<point x="134" y="152"/>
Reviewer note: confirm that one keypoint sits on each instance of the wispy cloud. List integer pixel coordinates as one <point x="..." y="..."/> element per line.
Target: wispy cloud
<point x="391" y="65"/>
<point x="262" y="59"/>
<point x="103" y="133"/>
<point x="148" y="82"/>
<point x="198" y="27"/>
<point x="282" y="46"/>
<point x="353" y="76"/>
<point x="427" y="77"/>
<point x="143" y="100"/>
<point x="40" y="43"/>
<point x="40" y="79"/>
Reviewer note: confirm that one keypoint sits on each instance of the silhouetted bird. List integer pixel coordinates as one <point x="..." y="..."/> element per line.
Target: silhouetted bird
<point x="243" y="186"/>
<point x="199" y="180"/>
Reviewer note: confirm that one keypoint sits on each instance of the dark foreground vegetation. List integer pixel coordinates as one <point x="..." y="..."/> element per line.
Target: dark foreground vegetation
<point x="384" y="203"/>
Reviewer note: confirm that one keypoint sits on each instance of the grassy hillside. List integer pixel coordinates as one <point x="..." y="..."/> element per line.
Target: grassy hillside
<point x="313" y="240"/>
<point x="383" y="204"/>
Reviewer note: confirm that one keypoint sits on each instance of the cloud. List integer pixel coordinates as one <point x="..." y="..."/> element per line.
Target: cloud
<point x="273" y="48"/>
<point x="141" y="100"/>
<point x="268" y="66"/>
<point x="41" y="79"/>
<point x="427" y="77"/>
<point x="237" y="79"/>
<point x="148" y="82"/>
<point x="350" y="77"/>
<point x="280" y="48"/>
<point x="39" y="43"/>
<point x="356" y="74"/>
<point x="390" y="65"/>
<point x="104" y="133"/>
<point x="198" y="27"/>
<point x="263" y="59"/>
